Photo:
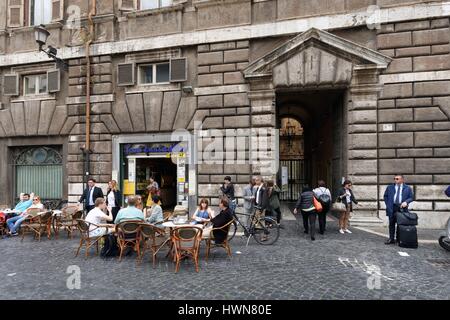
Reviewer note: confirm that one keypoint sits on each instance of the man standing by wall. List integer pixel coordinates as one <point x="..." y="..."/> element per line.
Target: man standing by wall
<point x="397" y="195"/>
<point x="90" y="194"/>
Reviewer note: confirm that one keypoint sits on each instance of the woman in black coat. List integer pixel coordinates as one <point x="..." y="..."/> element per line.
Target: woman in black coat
<point x="305" y="203"/>
<point x="114" y="198"/>
<point x="346" y="196"/>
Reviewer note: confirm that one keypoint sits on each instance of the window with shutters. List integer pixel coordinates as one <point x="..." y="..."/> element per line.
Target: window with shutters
<point x="155" y="73"/>
<point x="154" y="4"/>
<point x="35" y="84"/>
<point x="34" y="12"/>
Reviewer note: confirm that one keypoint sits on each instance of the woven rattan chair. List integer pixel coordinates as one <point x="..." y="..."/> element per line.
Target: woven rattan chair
<point x="149" y="234"/>
<point x="186" y="241"/>
<point x="128" y="235"/>
<point x="37" y="224"/>
<point x="67" y="220"/>
<point x="85" y="238"/>
<point x="211" y="242"/>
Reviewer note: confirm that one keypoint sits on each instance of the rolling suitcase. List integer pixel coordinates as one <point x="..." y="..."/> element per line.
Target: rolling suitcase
<point x="407" y="237"/>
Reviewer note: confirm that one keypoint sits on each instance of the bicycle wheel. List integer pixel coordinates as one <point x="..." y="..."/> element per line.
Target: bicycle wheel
<point x="266" y="231"/>
<point x="232" y="231"/>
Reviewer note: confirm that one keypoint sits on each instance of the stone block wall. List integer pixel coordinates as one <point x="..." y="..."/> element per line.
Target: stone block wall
<point x="102" y="124"/>
<point x="414" y="117"/>
<point x="223" y="100"/>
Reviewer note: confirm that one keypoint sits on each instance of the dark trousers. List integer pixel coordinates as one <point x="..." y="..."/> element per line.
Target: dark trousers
<point x="309" y="221"/>
<point x="322" y="221"/>
<point x="115" y="211"/>
<point x="393" y="222"/>
<point x="278" y="213"/>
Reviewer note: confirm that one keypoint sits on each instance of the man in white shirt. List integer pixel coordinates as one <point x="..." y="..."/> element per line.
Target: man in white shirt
<point x="98" y="217"/>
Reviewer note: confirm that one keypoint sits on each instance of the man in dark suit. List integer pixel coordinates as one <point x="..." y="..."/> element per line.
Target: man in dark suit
<point x="397" y="195"/>
<point x="90" y="194"/>
<point x="260" y="193"/>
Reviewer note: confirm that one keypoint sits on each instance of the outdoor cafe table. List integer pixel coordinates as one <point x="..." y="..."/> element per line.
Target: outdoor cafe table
<point x="171" y="225"/>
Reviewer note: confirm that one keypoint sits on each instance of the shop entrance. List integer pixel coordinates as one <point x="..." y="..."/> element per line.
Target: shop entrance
<point x="164" y="172"/>
<point x="165" y="162"/>
<point x="311" y="134"/>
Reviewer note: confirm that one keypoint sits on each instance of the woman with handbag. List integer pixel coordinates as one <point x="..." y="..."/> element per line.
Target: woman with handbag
<point x="305" y="204"/>
<point x="346" y="197"/>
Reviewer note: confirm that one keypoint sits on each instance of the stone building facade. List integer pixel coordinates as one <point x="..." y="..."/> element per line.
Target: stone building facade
<point x="368" y="79"/>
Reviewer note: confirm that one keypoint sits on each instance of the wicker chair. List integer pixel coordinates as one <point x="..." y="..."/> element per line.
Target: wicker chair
<point x="67" y="220"/>
<point x="167" y="215"/>
<point x="86" y="239"/>
<point x="128" y="235"/>
<point x="2" y="224"/>
<point x="186" y="242"/>
<point x="37" y="224"/>
<point x="149" y="234"/>
<point x="211" y="242"/>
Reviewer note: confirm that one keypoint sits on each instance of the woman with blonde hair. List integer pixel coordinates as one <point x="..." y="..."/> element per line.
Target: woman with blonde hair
<point x="114" y="198"/>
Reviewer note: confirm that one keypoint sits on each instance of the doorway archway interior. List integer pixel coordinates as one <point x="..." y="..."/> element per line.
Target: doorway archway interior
<point x="311" y="127"/>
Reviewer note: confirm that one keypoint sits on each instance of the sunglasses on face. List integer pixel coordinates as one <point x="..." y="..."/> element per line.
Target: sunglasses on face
<point x="397" y="179"/>
<point x="35" y="199"/>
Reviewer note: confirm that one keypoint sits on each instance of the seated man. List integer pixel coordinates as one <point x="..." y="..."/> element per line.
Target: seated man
<point x="130" y="212"/>
<point x="157" y="217"/>
<point x="219" y="221"/>
<point x="15" y="222"/>
<point x="97" y="216"/>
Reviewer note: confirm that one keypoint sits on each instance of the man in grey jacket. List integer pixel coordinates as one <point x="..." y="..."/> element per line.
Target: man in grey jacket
<point x="249" y="199"/>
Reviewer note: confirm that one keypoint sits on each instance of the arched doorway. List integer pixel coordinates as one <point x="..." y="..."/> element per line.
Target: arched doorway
<point x="39" y="170"/>
<point x="310" y="123"/>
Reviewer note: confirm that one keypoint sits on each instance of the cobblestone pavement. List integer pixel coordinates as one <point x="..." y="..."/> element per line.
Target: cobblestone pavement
<point x="335" y="266"/>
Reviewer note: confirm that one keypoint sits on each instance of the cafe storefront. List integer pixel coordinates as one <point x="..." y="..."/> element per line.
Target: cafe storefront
<point x="164" y="158"/>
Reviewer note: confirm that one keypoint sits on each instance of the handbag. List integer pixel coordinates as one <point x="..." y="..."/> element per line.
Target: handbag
<point x="339" y="207"/>
<point x="317" y="205"/>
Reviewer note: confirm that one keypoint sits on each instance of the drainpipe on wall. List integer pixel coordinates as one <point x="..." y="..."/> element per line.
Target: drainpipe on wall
<point x="87" y="149"/>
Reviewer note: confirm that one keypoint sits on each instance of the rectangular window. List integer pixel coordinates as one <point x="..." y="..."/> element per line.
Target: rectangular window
<point x="154" y="4"/>
<point x="154" y="73"/>
<point x="35" y="84"/>
<point x="40" y="12"/>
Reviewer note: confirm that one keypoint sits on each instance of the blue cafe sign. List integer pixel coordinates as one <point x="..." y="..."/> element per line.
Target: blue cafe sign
<point x="130" y="149"/>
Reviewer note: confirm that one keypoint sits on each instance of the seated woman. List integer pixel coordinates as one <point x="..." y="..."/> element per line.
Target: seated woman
<point x="203" y="214"/>
<point x="218" y="221"/>
<point x="97" y="216"/>
<point x="15" y="222"/>
<point x="157" y="217"/>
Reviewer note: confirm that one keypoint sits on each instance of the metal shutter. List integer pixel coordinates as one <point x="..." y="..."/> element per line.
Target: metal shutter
<point x="11" y="85"/>
<point x="57" y="10"/>
<point x="178" y="70"/>
<point x="128" y="5"/>
<point x="125" y="74"/>
<point x="53" y="80"/>
<point x="15" y="13"/>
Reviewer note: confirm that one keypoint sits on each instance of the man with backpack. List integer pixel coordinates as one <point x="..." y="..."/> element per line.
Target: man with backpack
<point x="323" y="194"/>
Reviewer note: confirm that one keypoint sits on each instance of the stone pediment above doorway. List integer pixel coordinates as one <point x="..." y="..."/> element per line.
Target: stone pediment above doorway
<point x="315" y="57"/>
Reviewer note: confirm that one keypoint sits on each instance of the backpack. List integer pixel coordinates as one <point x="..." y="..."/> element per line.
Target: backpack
<point x="324" y="198"/>
<point x="110" y="247"/>
<point x="447" y="191"/>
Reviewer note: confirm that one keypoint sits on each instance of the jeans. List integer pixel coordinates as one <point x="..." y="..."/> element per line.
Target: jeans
<point x="14" y="223"/>
<point x="393" y="222"/>
<point x="232" y="205"/>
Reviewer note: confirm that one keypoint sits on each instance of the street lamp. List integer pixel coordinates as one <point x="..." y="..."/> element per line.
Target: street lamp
<point x="41" y="35"/>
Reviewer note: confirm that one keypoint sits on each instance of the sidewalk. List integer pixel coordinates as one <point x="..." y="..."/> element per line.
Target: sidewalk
<point x="425" y="235"/>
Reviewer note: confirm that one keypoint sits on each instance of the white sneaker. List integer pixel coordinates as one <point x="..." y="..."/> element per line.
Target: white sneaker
<point x="341" y="231"/>
<point x="348" y="231"/>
